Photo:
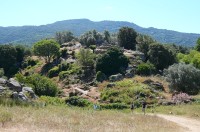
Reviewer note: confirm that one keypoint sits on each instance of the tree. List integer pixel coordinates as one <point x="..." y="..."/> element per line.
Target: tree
<point x="160" y="57"/>
<point x="63" y="37"/>
<point x="85" y="58"/>
<point x="183" y="77"/>
<point x="8" y="59"/>
<point x="143" y="42"/>
<point x="107" y="36"/>
<point x="112" y="62"/>
<point x="47" y="49"/>
<point x="127" y="38"/>
<point x="197" y="47"/>
<point x="91" y="38"/>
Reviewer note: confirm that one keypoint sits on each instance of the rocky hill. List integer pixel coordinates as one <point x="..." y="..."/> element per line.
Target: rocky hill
<point x="30" y="34"/>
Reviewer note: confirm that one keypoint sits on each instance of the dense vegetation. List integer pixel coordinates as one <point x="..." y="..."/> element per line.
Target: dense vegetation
<point x="101" y="67"/>
<point x="32" y="34"/>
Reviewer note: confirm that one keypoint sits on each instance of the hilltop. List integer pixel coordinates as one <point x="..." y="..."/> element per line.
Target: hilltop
<point x="31" y="34"/>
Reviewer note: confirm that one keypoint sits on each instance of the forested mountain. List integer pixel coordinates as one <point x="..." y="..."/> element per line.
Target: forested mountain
<point x="31" y="34"/>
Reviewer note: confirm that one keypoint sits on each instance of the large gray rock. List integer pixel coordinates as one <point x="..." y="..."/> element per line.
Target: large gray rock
<point x="14" y="85"/>
<point x="2" y="89"/>
<point x="2" y="81"/>
<point x="116" y="77"/>
<point x="30" y="91"/>
<point x="22" y="96"/>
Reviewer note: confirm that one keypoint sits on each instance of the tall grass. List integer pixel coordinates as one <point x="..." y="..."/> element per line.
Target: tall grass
<point x="68" y="119"/>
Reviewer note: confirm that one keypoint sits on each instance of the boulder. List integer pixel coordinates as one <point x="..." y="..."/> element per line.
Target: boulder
<point x="30" y="91"/>
<point x="15" y="95"/>
<point x="117" y="77"/>
<point x="14" y="85"/>
<point x="129" y="75"/>
<point x="110" y="85"/>
<point x="2" y="81"/>
<point x="22" y="96"/>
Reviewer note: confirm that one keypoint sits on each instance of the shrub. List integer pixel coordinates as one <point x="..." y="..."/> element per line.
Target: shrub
<point x="64" y="66"/>
<point x="100" y="77"/>
<point x="64" y="74"/>
<point x="77" y="101"/>
<point x="1" y="72"/>
<point x="53" y="72"/>
<point x="115" y="106"/>
<point x="183" y="77"/>
<point x="112" y="62"/>
<point x="52" y="100"/>
<point x="145" y="69"/>
<point x="42" y="85"/>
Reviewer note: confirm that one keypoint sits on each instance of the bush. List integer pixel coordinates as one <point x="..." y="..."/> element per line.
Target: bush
<point x="145" y="69"/>
<point x="64" y="74"/>
<point x="112" y="62"/>
<point x="183" y="77"/>
<point x="1" y="72"/>
<point x="52" y="100"/>
<point x="77" y="101"/>
<point x="64" y="66"/>
<point x="115" y="106"/>
<point x="100" y="77"/>
<point x="53" y="72"/>
<point x="42" y="85"/>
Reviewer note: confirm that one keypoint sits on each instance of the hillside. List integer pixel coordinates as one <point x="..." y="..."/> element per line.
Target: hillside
<point x="31" y="34"/>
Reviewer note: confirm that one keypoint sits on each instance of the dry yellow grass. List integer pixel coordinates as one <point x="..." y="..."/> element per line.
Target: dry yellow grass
<point x="65" y="119"/>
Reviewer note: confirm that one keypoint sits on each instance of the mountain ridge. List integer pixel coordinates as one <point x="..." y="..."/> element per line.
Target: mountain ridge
<point x="30" y="34"/>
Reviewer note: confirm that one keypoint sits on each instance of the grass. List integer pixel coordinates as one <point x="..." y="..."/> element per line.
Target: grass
<point x="188" y="110"/>
<point x="63" y="118"/>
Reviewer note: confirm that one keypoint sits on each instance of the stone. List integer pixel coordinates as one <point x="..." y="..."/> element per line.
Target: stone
<point x="110" y="85"/>
<point x="22" y="96"/>
<point x="14" y="95"/>
<point x="14" y="85"/>
<point x="117" y="77"/>
<point x="2" y="81"/>
<point x="30" y="91"/>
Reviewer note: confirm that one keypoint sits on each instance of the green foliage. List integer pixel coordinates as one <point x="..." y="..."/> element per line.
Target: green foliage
<point x="64" y="53"/>
<point x="107" y="36"/>
<point x="118" y="106"/>
<point x="73" y="69"/>
<point x="52" y="100"/>
<point x="41" y="84"/>
<point x="127" y="38"/>
<point x="112" y="62"/>
<point x="127" y="92"/>
<point x="143" y="42"/>
<point x="192" y="58"/>
<point x="63" y="37"/>
<point x="85" y="58"/>
<point x="197" y="47"/>
<point x="91" y="38"/>
<point x="145" y="69"/>
<point x="183" y="77"/>
<point x="1" y="72"/>
<point x="93" y="47"/>
<point x="77" y="101"/>
<point x="29" y="62"/>
<point x="64" y="66"/>
<point x="100" y="77"/>
<point x="53" y="72"/>
<point x="47" y="49"/>
<point x="160" y="57"/>
<point x="8" y="59"/>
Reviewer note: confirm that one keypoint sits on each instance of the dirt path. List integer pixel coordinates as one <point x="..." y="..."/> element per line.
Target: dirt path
<point x="189" y="125"/>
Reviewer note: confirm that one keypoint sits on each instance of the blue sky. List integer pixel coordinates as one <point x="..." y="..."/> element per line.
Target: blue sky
<point x="179" y="15"/>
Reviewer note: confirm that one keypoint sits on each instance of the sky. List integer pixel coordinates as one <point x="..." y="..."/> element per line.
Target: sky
<point x="178" y="15"/>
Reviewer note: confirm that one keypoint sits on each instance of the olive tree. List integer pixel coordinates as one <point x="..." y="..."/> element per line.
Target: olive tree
<point x="183" y="77"/>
